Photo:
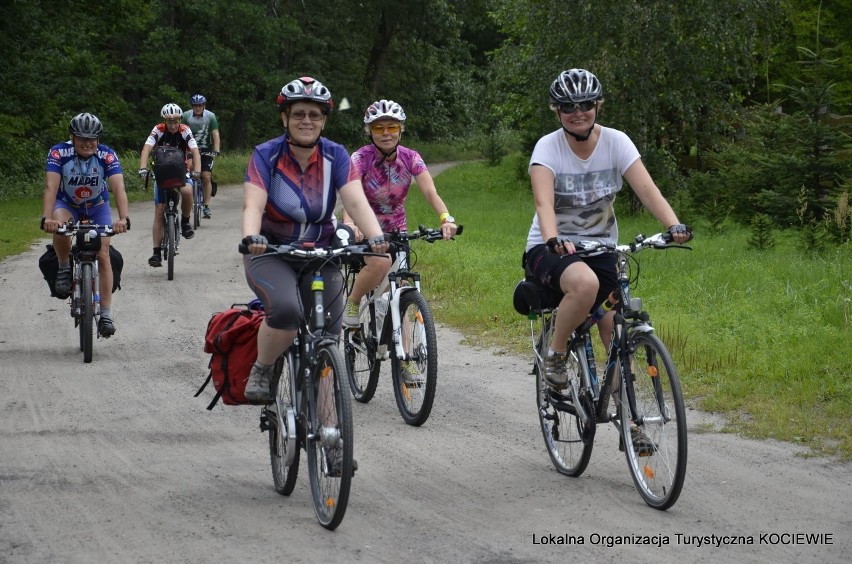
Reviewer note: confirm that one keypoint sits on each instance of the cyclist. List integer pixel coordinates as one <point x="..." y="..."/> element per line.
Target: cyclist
<point x="387" y="170"/>
<point x="205" y="129"/>
<point x="79" y="175"/>
<point x="291" y="187"/>
<point x="170" y="133"/>
<point x="576" y="172"/>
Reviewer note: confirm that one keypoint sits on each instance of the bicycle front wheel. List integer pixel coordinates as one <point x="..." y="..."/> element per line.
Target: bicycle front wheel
<point x="169" y="246"/>
<point x="569" y="447"/>
<point x="655" y="443"/>
<point x="330" y="448"/>
<point x="87" y="311"/>
<point x="415" y="378"/>
<point x="283" y="443"/>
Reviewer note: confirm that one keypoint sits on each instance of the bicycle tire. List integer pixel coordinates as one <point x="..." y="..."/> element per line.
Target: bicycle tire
<point x="169" y="247"/>
<point x="659" y="469"/>
<point x="415" y="400"/>
<point x="197" y="203"/>
<point x="362" y="364"/>
<point x="568" y="446"/>
<point x="87" y="312"/>
<point x="330" y="488"/>
<point x="284" y="448"/>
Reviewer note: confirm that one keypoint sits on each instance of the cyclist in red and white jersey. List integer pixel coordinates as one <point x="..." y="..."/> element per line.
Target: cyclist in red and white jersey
<point x="171" y="133"/>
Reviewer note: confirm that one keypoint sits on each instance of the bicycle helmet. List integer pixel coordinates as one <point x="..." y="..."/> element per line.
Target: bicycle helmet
<point x="171" y="110"/>
<point x="305" y="89"/>
<point x="575" y="85"/>
<point x="86" y="126"/>
<point x="197" y="99"/>
<point x="384" y="109"/>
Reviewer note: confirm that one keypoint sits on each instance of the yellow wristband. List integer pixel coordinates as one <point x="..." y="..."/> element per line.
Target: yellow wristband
<point x="444" y="216"/>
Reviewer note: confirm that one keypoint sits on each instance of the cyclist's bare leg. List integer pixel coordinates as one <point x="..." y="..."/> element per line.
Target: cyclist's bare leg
<point x="579" y="285"/>
<point x="157" y="229"/>
<point x="374" y="271"/>
<point x="272" y="342"/>
<point x="105" y="273"/>
<point x="186" y="200"/>
<point x="62" y="244"/>
<point x="206" y="186"/>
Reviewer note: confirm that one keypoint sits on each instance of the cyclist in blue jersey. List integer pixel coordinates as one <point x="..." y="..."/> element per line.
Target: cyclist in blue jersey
<point x="205" y="129"/>
<point x="291" y="187"/>
<point x="79" y="176"/>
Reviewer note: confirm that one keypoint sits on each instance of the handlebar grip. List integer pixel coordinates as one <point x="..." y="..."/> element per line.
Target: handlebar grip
<point x="460" y="229"/>
<point x="243" y="249"/>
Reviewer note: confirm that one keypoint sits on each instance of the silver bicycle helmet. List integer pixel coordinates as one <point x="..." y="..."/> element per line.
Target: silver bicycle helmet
<point x="86" y="126"/>
<point x="171" y="110"/>
<point x="384" y="109"/>
<point x="575" y="85"/>
<point x="305" y="89"/>
<point x="197" y="99"/>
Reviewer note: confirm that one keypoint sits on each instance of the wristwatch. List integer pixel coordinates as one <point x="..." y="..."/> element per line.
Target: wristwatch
<point x="448" y="219"/>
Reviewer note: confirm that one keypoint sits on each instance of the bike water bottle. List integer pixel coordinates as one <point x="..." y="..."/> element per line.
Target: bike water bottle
<point x="590" y="360"/>
<point x="610" y="302"/>
<point x="317" y="287"/>
<point x="381" y="311"/>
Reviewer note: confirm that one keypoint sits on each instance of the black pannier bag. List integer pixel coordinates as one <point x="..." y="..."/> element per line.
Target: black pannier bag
<point x="48" y="263"/>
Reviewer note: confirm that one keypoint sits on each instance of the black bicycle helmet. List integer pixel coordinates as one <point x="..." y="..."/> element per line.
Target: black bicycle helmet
<point x="574" y="86"/>
<point x="305" y="89"/>
<point x="86" y="126"/>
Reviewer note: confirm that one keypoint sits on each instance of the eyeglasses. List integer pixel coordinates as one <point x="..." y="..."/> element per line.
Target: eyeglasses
<point x="570" y="108"/>
<point x="172" y="121"/>
<point x="379" y="128"/>
<point x="313" y="116"/>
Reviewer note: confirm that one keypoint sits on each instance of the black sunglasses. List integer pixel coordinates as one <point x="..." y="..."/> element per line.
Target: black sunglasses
<point x="570" y="108"/>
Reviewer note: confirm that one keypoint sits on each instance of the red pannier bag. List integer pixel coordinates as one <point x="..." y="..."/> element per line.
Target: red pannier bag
<point x="231" y="340"/>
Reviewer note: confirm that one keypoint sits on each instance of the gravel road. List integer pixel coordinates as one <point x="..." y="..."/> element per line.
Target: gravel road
<point x="116" y="461"/>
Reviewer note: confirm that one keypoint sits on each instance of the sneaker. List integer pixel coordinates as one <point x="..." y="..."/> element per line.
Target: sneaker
<point x="334" y="456"/>
<point x="205" y="212"/>
<point x="352" y="315"/>
<point x="155" y="260"/>
<point x="186" y="231"/>
<point x="106" y="327"/>
<point x="555" y="371"/>
<point x="258" y="384"/>
<point x="62" y="287"/>
<point x="642" y="445"/>
<point x="411" y="377"/>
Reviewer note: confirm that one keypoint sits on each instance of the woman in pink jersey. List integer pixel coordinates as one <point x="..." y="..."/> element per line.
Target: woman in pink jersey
<point x="387" y="170"/>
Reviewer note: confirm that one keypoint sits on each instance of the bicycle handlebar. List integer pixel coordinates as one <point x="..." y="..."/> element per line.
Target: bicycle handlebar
<point x="427" y="234"/>
<point x="307" y="254"/>
<point x="658" y="241"/>
<point x="71" y="227"/>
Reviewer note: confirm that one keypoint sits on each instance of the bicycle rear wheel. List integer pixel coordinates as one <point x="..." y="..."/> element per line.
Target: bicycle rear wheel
<point x="330" y="450"/>
<point x="169" y="246"/>
<point x="362" y="365"/>
<point x="569" y="447"/>
<point x="657" y="461"/>
<point x="87" y="312"/>
<point x="283" y="443"/>
<point x="196" y="204"/>
<point x="415" y="391"/>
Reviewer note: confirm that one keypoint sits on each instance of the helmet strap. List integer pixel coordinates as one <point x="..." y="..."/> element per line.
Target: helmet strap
<point x="588" y="134"/>
<point x="389" y="156"/>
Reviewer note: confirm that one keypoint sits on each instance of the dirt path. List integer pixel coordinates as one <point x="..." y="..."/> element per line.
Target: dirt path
<point x="116" y="461"/>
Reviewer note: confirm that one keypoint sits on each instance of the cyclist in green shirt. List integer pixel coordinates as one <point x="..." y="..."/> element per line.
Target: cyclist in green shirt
<point x="205" y="129"/>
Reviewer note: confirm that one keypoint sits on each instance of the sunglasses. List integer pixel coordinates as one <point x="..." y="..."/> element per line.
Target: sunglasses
<point x="173" y="120"/>
<point x="313" y="116"/>
<point x="379" y="128"/>
<point x="570" y="108"/>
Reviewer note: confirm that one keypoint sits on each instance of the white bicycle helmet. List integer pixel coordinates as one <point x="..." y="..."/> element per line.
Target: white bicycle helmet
<point x="305" y="89"/>
<point x="384" y="109"/>
<point x="574" y="86"/>
<point x="86" y="126"/>
<point x="171" y="110"/>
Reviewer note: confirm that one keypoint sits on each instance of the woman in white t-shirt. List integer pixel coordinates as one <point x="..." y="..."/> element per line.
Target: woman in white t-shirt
<point x="576" y="172"/>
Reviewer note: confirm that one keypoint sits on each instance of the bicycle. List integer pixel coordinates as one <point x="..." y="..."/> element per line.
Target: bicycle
<point x="409" y="340"/>
<point x="85" y="298"/>
<point x="170" y="243"/>
<point x="639" y="376"/>
<point x="310" y="410"/>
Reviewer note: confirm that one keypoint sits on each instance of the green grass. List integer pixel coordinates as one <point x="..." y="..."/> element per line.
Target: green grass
<point x="760" y="337"/>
